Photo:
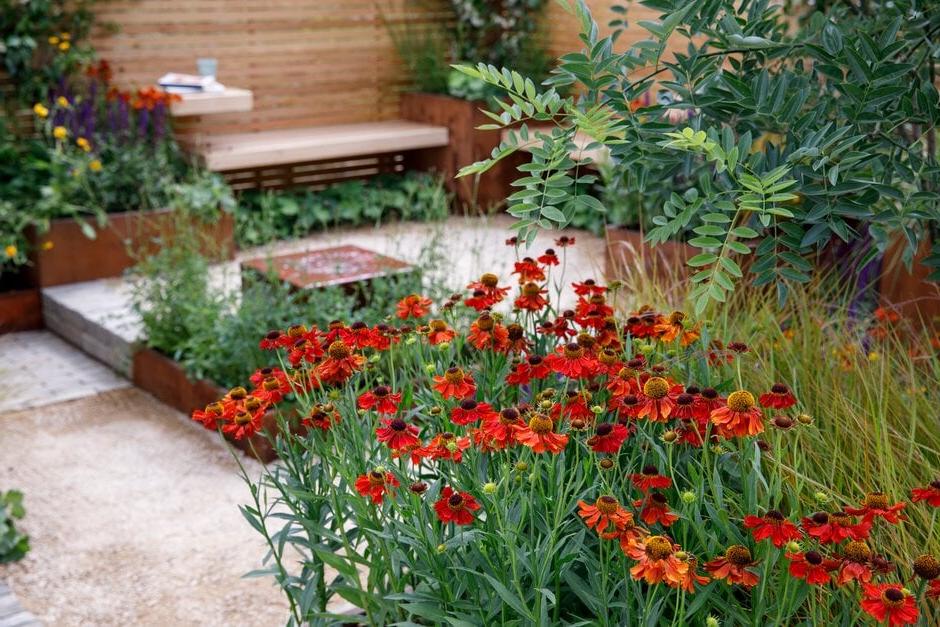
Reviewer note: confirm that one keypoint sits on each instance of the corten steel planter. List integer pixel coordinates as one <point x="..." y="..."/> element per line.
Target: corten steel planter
<point x="73" y="257"/>
<point x="20" y="303"/>
<point x="20" y="310"/>
<point x="165" y="379"/>
<point x="908" y="291"/>
<point x="628" y="254"/>
<point x="467" y="145"/>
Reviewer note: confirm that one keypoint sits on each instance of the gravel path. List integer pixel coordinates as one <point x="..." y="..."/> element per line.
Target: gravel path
<point x="132" y="513"/>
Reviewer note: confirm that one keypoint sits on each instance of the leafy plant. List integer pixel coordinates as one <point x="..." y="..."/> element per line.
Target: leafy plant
<point x="14" y="544"/>
<point x="793" y="140"/>
<point x="265" y="216"/>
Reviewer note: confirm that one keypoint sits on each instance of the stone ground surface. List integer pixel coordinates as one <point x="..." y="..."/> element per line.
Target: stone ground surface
<point x="131" y="508"/>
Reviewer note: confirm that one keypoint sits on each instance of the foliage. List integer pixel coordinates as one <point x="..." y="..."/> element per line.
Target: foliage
<point x="792" y="140"/>
<point x="435" y="33"/>
<point x="41" y="41"/>
<point x="265" y="216"/>
<point x="381" y="513"/>
<point x="190" y="313"/>
<point x="14" y="545"/>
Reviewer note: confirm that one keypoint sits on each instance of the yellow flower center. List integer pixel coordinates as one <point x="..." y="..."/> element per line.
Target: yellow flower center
<point x="658" y="547"/>
<point x="242" y="418"/>
<point x="877" y="500"/>
<point x="656" y="387"/>
<point x="742" y="400"/>
<point x="489" y="279"/>
<point x="530" y="289"/>
<point x="607" y="505"/>
<point x="540" y="423"/>
<point x="857" y="551"/>
<point x="893" y="597"/>
<point x="338" y="350"/>
<point x="573" y="351"/>
<point x="453" y="375"/>
<point x="738" y="555"/>
<point x="438" y="325"/>
<point x="927" y="567"/>
<point x="485" y="322"/>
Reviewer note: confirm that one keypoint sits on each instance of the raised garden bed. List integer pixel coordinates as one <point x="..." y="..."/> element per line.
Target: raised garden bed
<point x="20" y="303"/>
<point x="73" y="257"/>
<point x="909" y="291"/>
<point x="161" y="376"/>
<point x="467" y="145"/>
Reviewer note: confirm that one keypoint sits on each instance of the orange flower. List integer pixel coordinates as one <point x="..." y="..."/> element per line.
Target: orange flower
<point x="605" y="512"/>
<point x="733" y="567"/>
<point x="658" y="399"/>
<point x="654" y="508"/>
<point x="887" y="602"/>
<point x="439" y="332"/>
<point x="657" y="562"/>
<point x="485" y="332"/>
<point x="413" y="306"/>
<point x="340" y="364"/>
<point x="531" y="298"/>
<point x="740" y="417"/>
<point x="376" y="485"/>
<point x="539" y="435"/>
<point x="673" y="327"/>
<point x="455" y="384"/>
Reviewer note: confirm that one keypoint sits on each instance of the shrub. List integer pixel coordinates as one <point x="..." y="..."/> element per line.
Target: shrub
<point x="14" y="544"/>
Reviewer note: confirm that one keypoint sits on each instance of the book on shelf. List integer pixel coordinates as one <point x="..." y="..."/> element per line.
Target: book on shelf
<point x="176" y="83"/>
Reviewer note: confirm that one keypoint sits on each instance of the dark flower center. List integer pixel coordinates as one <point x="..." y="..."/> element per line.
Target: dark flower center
<point x="468" y="404"/>
<point x="381" y="391"/>
<point x="605" y="428"/>
<point x="398" y="425"/>
<point x="273" y="335"/>
<point x="455" y="501"/>
<point x="820" y="518"/>
<point x="738" y="555"/>
<point x="774" y="515"/>
<point x="892" y="596"/>
<point x="813" y="558"/>
<point x="685" y="399"/>
<point x="650" y="471"/>
<point x="779" y="388"/>
<point x="710" y="394"/>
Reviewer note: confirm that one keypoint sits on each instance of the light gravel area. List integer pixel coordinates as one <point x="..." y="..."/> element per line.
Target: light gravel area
<point x="132" y="513"/>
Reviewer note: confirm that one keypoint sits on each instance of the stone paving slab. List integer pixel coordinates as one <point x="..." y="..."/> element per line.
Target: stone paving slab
<point x="38" y="368"/>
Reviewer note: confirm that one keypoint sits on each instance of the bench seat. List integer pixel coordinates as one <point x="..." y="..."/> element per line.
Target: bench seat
<point x="222" y="153"/>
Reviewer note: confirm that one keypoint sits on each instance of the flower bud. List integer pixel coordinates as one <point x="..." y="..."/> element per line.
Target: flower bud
<point x="489" y="488"/>
<point x="688" y="497"/>
<point x="443" y="346"/>
<point x="521" y="467"/>
<point x="430" y="368"/>
<point x="606" y="463"/>
<point x="597" y="409"/>
<point x="804" y="419"/>
<point x="670" y="436"/>
<point x="441" y="548"/>
<point x="375" y="358"/>
<point x="793" y="546"/>
<point x="711" y="621"/>
<point x="821" y="497"/>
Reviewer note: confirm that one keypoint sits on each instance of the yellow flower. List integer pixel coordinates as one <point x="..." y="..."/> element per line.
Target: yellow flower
<point x="83" y="143"/>
<point x="95" y="166"/>
<point x="64" y="46"/>
<point x="40" y="110"/>
<point x="10" y="251"/>
<point x="47" y="245"/>
<point x="60" y="132"/>
<point x="53" y="40"/>
<point x="62" y="101"/>
<point x="873" y="356"/>
<point x="65" y="36"/>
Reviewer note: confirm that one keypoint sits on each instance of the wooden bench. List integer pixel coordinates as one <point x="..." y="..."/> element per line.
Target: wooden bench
<point x="307" y="156"/>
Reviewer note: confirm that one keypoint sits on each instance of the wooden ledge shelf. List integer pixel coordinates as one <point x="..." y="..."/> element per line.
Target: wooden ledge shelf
<point x="231" y="100"/>
<point x="317" y="143"/>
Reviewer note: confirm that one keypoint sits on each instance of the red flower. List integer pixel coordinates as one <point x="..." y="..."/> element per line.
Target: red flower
<point x="499" y="432"/>
<point x="589" y="288"/>
<point x="210" y="416"/>
<point x="811" y="567"/>
<point x="549" y="258"/>
<point x="835" y="528"/>
<point x="485" y="333"/>
<point x="321" y="417"/>
<point x="876" y="505"/>
<point x="655" y="509"/>
<point x="772" y="525"/>
<point x="539" y="435"/>
<point x="376" y="485"/>
<point x="608" y="438"/>
<point x="455" y="383"/>
<point x="439" y="332"/>
<point x="779" y="397"/>
<point x="573" y="362"/>
<point x="733" y="567"/>
<point x="933" y="589"/>
<point x="471" y="411"/>
<point x="930" y="493"/>
<point x="855" y="564"/>
<point x="534" y="367"/>
<point x="381" y="399"/>
<point x="606" y="512"/>
<point x="531" y="298"/>
<point x="456" y="507"/>
<point x="529" y="270"/>
<point x="413" y="306"/>
<point x="658" y="399"/>
<point x="740" y="417"/>
<point x="445" y="446"/>
<point x="398" y="435"/>
<point x="244" y="423"/>
<point x="887" y="602"/>
<point x="486" y="292"/>
<point x="650" y="479"/>
<point x="564" y="241"/>
<point x="340" y="364"/>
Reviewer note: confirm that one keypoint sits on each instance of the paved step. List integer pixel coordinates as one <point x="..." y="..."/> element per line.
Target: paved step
<point x="97" y="317"/>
